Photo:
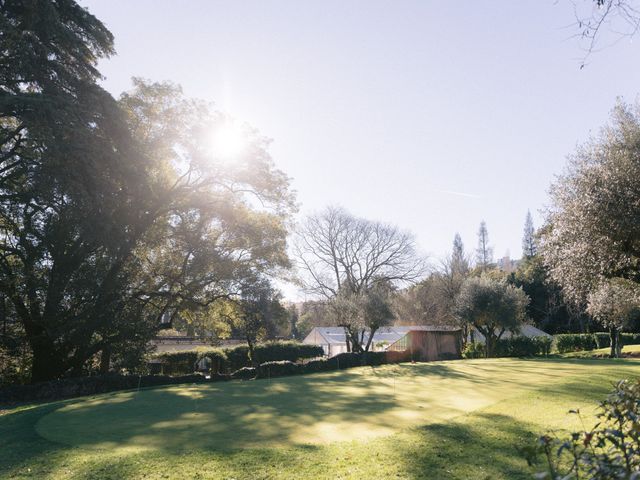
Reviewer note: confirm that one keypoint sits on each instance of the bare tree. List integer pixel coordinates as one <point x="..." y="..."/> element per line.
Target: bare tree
<point x="595" y="19"/>
<point x="336" y="250"/>
<point x="343" y="259"/>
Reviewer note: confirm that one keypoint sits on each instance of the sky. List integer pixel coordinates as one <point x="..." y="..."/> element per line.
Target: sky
<point x="429" y="115"/>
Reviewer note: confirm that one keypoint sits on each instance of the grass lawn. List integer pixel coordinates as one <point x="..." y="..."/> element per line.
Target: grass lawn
<point x="459" y="419"/>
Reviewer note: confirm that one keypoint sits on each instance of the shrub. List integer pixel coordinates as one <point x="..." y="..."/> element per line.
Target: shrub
<point x="511" y="347"/>
<point x="629" y="338"/>
<point x="291" y="351"/>
<point x="75" y="387"/>
<point x="577" y="342"/>
<point x="473" y="350"/>
<point x="610" y="450"/>
<point x="226" y="360"/>
<point x="339" y="362"/>
<point x="523" y="346"/>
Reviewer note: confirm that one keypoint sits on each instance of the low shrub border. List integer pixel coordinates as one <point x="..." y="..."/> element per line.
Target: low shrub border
<point x="577" y="342"/>
<point x="82" y="386"/>
<point x="512" y="347"/>
<point x="227" y="360"/>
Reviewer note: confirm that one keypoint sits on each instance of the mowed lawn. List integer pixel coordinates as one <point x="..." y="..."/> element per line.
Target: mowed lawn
<point x="459" y="419"/>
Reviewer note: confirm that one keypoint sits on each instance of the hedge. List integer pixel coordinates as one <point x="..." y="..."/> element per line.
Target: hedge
<point x="226" y="360"/>
<point x="512" y="347"/>
<point x="76" y="387"/>
<point x="339" y="362"/>
<point x="576" y="342"/>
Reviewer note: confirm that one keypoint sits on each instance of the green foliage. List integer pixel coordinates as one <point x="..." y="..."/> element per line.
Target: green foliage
<point x="592" y="227"/>
<point x="81" y="386"/>
<point x="115" y="214"/>
<point x="519" y="346"/>
<point x="608" y="451"/>
<point x="228" y="360"/>
<point x="547" y="308"/>
<point x="473" y="350"/>
<point x="576" y="342"/>
<point x="339" y="362"/>
<point x="492" y="307"/>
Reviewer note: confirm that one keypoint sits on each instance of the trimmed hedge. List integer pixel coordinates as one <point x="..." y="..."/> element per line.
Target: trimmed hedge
<point x="512" y="347"/>
<point x="524" y="346"/>
<point x="339" y="362"/>
<point x="77" y="387"/>
<point x="226" y="360"/>
<point x="576" y="342"/>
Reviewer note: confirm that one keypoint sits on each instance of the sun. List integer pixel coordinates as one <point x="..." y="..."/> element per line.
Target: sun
<point x="228" y="141"/>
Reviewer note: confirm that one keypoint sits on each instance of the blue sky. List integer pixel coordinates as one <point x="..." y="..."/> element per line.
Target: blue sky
<point x="432" y="115"/>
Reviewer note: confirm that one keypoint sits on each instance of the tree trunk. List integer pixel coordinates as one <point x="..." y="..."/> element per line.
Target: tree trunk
<point x="46" y="364"/>
<point x="347" y="339"/>
<point x="252" y="356"/>
<point x="105" y="360"/>
<point x="356" y="345"/>
<point x="373" y="331"/>
<point x="614" y="335"/>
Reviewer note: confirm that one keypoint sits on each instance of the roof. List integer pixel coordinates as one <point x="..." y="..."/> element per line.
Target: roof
<point x="526" y="330"/>
<point x="335" y="335"/>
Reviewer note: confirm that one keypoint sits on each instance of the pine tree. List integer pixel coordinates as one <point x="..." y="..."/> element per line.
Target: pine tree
<point x="484" y="253"/>
<point x="529" y="247"/>
<point x="459" y="261"/>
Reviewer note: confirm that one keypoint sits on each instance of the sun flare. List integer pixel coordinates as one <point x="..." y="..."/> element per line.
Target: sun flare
<point x="229" y="140"/>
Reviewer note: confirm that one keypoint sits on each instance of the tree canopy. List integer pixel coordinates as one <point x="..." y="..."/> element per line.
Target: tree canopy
<point x="593" y="224"/>
<point x="493" y="307"/>
<point x="116" y="214"/>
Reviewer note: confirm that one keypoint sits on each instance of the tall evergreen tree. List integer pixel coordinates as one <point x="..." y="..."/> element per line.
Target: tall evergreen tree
<point x="529" y="247"/>
<point x="484" y="253"/>
<point x="459" y="261"/>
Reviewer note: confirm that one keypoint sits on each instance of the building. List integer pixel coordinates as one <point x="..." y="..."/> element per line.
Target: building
<point x="427" y="345"/>
<point x="427" y="341"/>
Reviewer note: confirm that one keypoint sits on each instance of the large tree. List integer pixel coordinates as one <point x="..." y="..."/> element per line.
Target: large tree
<point x="592" y="234"/>
<point x="493" y="307"/>
<point x="341" y="255"/>
<point x="115" y="214"/>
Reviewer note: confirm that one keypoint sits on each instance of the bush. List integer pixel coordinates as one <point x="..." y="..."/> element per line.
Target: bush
<point x="226" y="360"/>
<point x="339" y="362"/>
<point x="610" y="450"/>
<point x="512" y="347"/>
<point x="577" y="342"/>
<point x="473" y="350"/>
<point x="291" y="351"/>
<point x="523" y="346"/>
<point x="76" y="387"/>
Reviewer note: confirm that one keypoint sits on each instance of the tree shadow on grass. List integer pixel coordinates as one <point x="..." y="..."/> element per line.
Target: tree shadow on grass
<point x="19" y="441"/>
<point x="486" y="447"/>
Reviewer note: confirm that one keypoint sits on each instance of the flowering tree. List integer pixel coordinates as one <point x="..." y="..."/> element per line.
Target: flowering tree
<point x="593" y="224"/>
<point x="612" y="303"/>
